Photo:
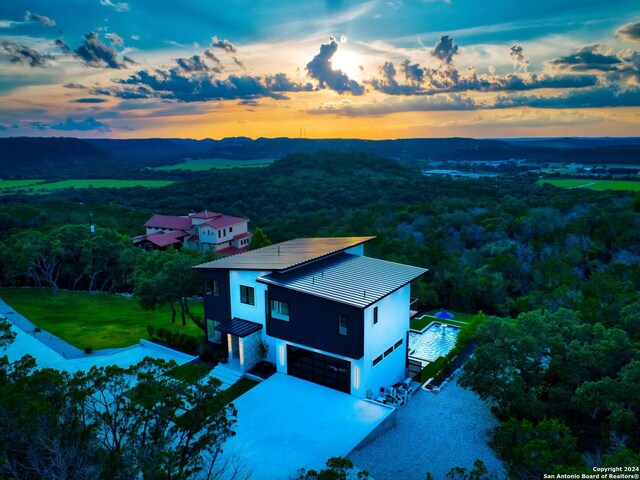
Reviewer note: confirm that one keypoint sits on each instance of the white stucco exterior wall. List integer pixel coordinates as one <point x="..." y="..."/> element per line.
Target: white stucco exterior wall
<point x="253" y="313"/>
<point x="393" y="324"/>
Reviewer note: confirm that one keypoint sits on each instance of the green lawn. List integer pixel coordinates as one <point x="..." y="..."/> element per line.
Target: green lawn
<point x="237" y="389"/>
<point x="18" y="184"/>
<point x="93" y="321"/>
<point x="201" y="164"/>
<point x="592" y="184"/>
<point x="460" y="319"/>
<point x="99" y="183"/>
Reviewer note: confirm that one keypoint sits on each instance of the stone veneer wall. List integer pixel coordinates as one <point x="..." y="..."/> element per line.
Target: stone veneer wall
<point x="250" y="350"/>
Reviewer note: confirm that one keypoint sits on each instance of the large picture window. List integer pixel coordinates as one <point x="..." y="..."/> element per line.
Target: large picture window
<point x="247" y="295"/>
<point x="211" y="287"/>
<point x="343" y="321"/>
<point x="213" y="334"/>
<point x="280" y="310"/>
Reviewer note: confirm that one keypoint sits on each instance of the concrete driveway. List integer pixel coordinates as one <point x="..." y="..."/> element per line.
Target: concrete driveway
<point x="285" y="423"/>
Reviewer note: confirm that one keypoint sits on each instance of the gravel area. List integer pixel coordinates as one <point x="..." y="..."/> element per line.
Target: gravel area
<point x="434" y="433"/>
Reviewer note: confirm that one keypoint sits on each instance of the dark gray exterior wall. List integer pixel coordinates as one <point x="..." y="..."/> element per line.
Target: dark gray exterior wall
<point x="217" y="308"/>
<point x="313" y="322"/>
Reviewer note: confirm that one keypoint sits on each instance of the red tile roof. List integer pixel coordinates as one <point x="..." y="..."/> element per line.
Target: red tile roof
<point x="194" y="238"/>
<point x="225" y="221"/>
<point x="169" y="221"/>
<point x="166" y="239"/>
<point x="242" y="235"/>
<point x="205" y="214"/>
<point x="230" y="251"/>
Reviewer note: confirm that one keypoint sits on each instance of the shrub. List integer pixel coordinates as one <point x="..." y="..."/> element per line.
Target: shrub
<point x="88" y="350"/>
<point x="151" y="330"/>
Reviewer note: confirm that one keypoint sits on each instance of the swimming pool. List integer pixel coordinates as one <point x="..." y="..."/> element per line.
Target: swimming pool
<point x="436" y="341"/>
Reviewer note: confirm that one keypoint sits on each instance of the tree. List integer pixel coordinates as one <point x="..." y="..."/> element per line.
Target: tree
<point x="338" y="468"/>
<point x="259" y="239"/>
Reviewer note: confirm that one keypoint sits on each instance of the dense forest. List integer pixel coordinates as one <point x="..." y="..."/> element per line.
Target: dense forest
<point x="557" y="271"/>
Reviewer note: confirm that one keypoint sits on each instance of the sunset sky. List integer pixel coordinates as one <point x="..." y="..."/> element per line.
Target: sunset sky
<point x="333" y="68"/>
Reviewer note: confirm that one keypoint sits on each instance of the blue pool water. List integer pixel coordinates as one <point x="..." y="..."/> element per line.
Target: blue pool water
<point x="434" y="342"/>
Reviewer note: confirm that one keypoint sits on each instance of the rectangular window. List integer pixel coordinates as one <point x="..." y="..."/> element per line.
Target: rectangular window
<point x="375" y="315"/>
<point x="398" y="344"/>
<point x="377" y="360"/>
<point x="343" y="320"/>
<point x="247" y="295"/>
<point x="211" y="287"/>
<point x="230" y="229"/>
<point x="224" y="232"/>
<point x="280" y="310"/>
<point x="213" y="334"/>
<point x="219" y="233"/>
<point x="388" y="351"/>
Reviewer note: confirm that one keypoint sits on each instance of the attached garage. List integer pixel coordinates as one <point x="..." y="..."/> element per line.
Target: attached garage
<point x="319" y="368"/>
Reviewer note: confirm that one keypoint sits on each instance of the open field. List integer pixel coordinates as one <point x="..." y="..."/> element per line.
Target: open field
<point x="201" y="164"/>
<point x="98" y="183"/>
<point x="16" y="184"/>
<point x="592" y="184"/>
<point x="95" y="321"/>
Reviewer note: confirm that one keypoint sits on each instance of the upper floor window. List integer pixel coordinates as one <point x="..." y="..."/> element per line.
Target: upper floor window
<point x="211" y="287"/>
<point x="230" y="229"/>
<point x="343" y="320"/>
<point x="375" y="315"/>
<point x="280" y="310"/>
<point x="247" y="295"/>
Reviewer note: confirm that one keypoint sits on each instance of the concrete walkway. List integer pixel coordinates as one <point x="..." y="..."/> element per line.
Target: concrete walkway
<point x="50" y="351"/>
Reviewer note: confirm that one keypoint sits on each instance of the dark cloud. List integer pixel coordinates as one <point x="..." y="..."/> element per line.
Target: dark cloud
<point x="39" y="126"/>
<point x="520" y="62"/>
<point x="320" y="69"/>
<point x="63" y="47"/>
<point x="414" y="73"/>
<point x="194" y="64"/>
<point x="2" y="128"/>
<point x="33" y="17"/>
<point x="389" y="85"/>
<point x="586" y="59"/>
<point x="175" y="84"/>
<point x="225" y="45"/>
<point x="451" y="102"/>
<point x="445" y="49"/>
<point x="21" y="54"/>
<point x="599" y="97"/>
<point x="281" y="83"/>
<point x="84" y="125"/>
<point x="77" y="86"/>
<point x="631" y="31"/>
<point x="211" y="56"/>
<point x="94" y="53"/>
<point x="89" y="100"/>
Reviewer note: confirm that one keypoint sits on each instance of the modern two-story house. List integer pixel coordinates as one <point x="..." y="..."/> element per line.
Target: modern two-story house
<point x="326" y="312"/>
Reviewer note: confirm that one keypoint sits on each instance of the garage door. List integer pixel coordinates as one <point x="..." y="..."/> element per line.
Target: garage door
<point x="318" y="368"/>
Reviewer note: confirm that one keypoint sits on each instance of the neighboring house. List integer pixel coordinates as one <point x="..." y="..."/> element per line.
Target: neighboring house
<point x="203" y="231"/>
<point x="327" y="313"/>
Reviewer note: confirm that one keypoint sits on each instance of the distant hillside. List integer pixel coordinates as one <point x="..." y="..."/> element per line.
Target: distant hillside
<point x="68" y="157"/>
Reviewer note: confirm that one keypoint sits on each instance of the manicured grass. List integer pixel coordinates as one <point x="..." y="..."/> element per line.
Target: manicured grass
<point x="201" y="164"/>
<point x="234" y="391"/>
<point x="592" y="184"/>
<point x="18" y="184"/>
<point x="100" y="183"/>
<point x="191" y="372"/>
<point x="95" y="321"/>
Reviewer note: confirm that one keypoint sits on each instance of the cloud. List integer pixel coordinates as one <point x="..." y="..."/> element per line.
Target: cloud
<point x="117" y="6"/>
<point x="77" y="86"/>
<point x="33" y="17"/>
<point x="225" y="45"/>
<point x="89" y="100"/>
<point x="631" y="31"/>
<point x="94" y="53"/>
<point x="445" y="49"/>
<point x="389" y="85"/>
<point x="445" y="102"/>
<point x="281" y="83"/>
<point x="63" y="47"/>
<point x="598" y="97"/>
<point x="412" y="72"/>
<point x="520" y="62"/>
<point x="588" y="59"/>
<point x="321" y="70"/>
<point x="84" y="125"/>
<point x="115" y="39"/>
<point x="194" y="64"/>
<point x="21" y="54"/>
<point x="2" y="128"/>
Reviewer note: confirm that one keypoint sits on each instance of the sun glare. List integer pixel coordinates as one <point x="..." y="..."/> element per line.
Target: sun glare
<point x="348" y="62"/>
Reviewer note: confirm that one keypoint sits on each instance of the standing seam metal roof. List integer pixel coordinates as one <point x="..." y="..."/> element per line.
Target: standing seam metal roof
<point x="346" y="278"/>
<point x="285" y="255"/>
